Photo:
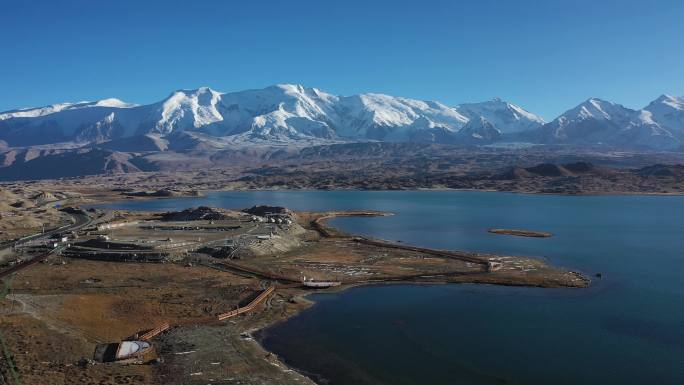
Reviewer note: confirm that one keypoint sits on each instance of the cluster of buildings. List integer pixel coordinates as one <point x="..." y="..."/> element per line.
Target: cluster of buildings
<point x="273" y="218"/>
<point x="115" y="225"/>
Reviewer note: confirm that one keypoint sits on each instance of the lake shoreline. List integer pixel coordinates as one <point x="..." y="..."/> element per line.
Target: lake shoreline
<point x="320" y="224"/>
<point x="443" y="222"/>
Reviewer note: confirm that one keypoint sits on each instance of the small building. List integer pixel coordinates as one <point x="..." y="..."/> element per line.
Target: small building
<point x="311" y="283"/>
<point x="115" y="225"/>
<point x="122" y="351"/>
<point x="493" y="266"/>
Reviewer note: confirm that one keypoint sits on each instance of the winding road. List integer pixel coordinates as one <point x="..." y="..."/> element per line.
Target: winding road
<point x="80" y="221"/>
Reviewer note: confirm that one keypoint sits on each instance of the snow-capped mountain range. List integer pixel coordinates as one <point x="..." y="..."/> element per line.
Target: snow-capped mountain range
<point x="506" y="117"/>
<point x="596" y="121"/>
<point x="286" y="113"/>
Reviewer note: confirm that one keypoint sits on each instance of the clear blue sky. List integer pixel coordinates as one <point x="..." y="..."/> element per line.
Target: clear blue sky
<point x="544" y="55"/>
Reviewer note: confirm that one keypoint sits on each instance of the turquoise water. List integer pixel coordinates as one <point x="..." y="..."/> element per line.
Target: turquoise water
<point x="628" y="328"/>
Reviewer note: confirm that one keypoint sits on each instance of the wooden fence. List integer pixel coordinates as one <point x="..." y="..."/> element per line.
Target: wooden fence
<point x="248" y="307"/>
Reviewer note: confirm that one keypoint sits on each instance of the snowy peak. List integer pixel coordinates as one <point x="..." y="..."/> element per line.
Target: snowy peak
<point x="668" y="112"/>
<point x="186" y="109"/>
<point x="505" y="116"/>
<point x="204" y="93"/>
<point x="600" y="122"/>
<point x="593" y="111"/>
<point x="35" y="112"/>
<point x="280" y="112"/>
<point x="292" y="89"/>
<point x="113" y="102"/>
<point x="287" y="113"/>
<point x="384" y="117"/>
<point x="479" y="131"/>
<point x="669" y="101"/>
<point x="54" y="108"/>
<point x="595" y="108"/>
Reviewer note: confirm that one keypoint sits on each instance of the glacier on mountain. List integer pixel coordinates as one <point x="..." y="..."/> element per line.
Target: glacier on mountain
<point x="288" y="113"/>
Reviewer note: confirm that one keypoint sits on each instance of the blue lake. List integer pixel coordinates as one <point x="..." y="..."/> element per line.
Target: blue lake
<point x="628" y="328"/>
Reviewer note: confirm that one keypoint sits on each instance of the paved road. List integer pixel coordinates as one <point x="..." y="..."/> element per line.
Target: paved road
<point x="80" y="221"/>
<point x="32" y="261"/>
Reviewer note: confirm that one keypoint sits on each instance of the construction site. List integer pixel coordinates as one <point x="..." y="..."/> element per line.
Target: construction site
<point x="173" y="298"/>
